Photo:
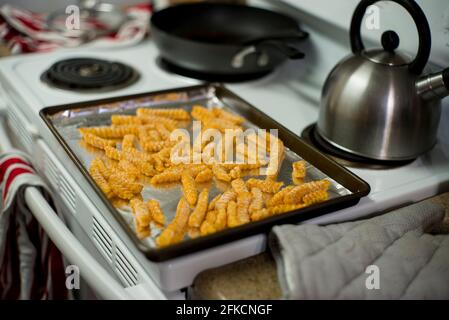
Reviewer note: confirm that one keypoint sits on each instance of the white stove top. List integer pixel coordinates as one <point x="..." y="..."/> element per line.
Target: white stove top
<point x="290" y="95"/>
<point x="283" y="95"/>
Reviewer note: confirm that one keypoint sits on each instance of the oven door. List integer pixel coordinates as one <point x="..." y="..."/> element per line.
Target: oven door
<point x="96" y="280"/>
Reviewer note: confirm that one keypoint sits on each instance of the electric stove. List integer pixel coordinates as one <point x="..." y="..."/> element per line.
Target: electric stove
<point x="290" y="95"/>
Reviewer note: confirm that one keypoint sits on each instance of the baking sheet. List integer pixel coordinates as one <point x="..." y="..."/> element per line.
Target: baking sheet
<point x="63" y="121"/>
<point x="67" y="122"/>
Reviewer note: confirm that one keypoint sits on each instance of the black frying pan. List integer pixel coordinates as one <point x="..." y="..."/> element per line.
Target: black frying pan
<point x="225" y="39"/>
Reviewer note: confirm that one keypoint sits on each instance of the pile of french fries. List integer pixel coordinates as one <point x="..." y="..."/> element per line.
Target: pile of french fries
<point x="136" y="150"/>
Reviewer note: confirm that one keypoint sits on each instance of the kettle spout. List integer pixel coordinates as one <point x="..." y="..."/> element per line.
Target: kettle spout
<point x="434" y="86"/>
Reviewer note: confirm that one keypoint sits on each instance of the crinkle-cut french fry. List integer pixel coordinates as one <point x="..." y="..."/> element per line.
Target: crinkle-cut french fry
<point x="268" y="186"/>
<point x="199" y="213"/>
<point x="114" y="132"/>
<point x="154" y="146"/>
<point x="123" y="187"/>
<point x="129" y="168"/>
<point x="221" y="221"/>
<point x="99" y="164"/>
<point x="221" y="206"/>
<point x="128" y="142"/>
<point x="120" y="174"/>
<point x="189" y="187"/>
<point x="101" y="181"/>
<point x="299" y="171"/>
<point x="181" y="219"/>
<point x="239" y="186"/>
<point x="167" y="237"/>
<point x="207" y="228"/>
<point x="176" y="114"/>
<point x="112" y="153"/>
<point x="117" y="119"/>
<point x="169" y="175"/>
<point x="201" y="113"/>
<point x="132" y="155"/>
<point x="243" y="166"/>
<point x="156" y="212"/>
<point x="235" y="173"/>
<point x="96" y="141"/>
<point x="284" y="208"/>
<point x="170" y="124"/>
<point x="243" y="203"/>
<point x="193" y="233"/>
<point x="257" y="201"/>
<point x="213" y="202"/>
<point x="278" y="198"/>
<point x="233" y="220"/>
<point x="176" y="229"/>
<point x="141" y="212"/>
<point x="204" y="176"/>
<point x="276" y="158"/>
<point x="182" y="215"/>
<point x="220" y="173"/>
<point x="221" y="113"/>
<point x="220" y="124"/>
<point x="295" y="196"/>
<point x="315" y="197"/>
<point x="272" y="211"/>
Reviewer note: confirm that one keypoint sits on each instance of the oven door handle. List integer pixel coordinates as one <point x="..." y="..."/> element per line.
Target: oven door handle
<point x="94" y="274"/>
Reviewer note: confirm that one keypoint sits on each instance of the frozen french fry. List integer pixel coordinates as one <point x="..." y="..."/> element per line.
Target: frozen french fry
<point x="295" y="196"/>
<point x="176" y="114"/>
<point x="199" y="213"/>
<point x="268" y="186"/>
<point x="96" y="141"/>
<point x="189" y="187"/>
<point x="156" y="212"/>
<point x="257" y="201"/>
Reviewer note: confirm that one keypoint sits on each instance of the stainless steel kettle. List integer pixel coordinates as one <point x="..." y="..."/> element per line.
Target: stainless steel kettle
<point x="375" y="103"/>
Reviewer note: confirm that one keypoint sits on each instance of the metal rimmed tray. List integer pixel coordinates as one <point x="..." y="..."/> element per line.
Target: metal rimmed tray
<point x="64" y="120"/>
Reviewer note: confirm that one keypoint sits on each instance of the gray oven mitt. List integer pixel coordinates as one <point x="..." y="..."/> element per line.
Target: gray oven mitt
<point x="330" y="262"/>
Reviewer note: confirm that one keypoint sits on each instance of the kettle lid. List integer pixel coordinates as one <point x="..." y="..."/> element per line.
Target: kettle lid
<point x="387" y="58"/>
<point x="390" y="39"/>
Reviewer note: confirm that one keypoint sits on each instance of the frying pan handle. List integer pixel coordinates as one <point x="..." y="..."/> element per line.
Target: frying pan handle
<point x="280" y="46"/>
<point x="260" y="48"/>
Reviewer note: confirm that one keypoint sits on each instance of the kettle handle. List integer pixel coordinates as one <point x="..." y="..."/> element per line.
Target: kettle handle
<point x="425" y="42"/>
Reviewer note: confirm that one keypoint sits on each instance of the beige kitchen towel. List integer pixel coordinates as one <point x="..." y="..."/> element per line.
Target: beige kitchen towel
<point x="387" y="257"/>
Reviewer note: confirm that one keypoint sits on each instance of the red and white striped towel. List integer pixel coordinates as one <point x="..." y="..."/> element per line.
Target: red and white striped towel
<point x="23" y="31"/>
<point x="31" y="267"/>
